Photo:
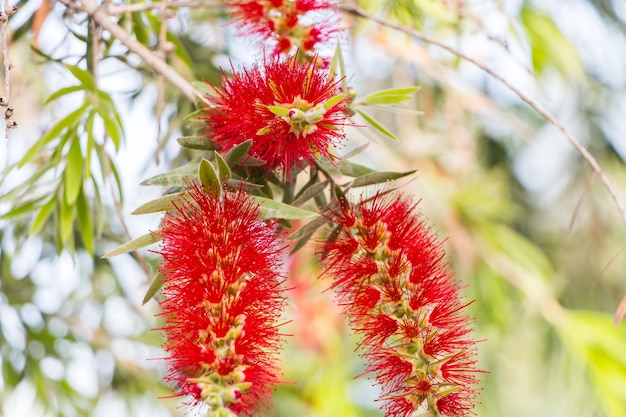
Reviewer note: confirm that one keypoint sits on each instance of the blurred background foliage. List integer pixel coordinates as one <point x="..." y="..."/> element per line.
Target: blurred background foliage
<point x="529" y="228"/>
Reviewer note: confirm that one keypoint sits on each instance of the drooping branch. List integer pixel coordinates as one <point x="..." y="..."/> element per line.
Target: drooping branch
<point x="590" y="159"/>
<point x="100" y="16"/>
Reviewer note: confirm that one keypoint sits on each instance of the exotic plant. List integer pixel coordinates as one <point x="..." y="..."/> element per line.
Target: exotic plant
<point x="262" y="174"/>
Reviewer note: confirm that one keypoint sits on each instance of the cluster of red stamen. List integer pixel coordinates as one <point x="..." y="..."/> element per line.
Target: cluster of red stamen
<point x="222" y="300"/>
<point x="292" y="111"/>
<point x="400" y="296"/>
<point x="288" y="25"/>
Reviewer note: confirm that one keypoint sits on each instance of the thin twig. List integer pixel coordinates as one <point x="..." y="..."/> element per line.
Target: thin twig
<point x="593" y="163"/>
<point x="5" y="101"/>
<point x="141" y="7"/>
<point x="162" y="54"/>
<point x="101" y="17"/>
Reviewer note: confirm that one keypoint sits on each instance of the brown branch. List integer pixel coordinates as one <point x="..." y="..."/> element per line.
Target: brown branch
<point x="100" y="16"/>
<point x="141" y="7"/>
<point x="593" y="163"/>
<point x="5" y="101"/>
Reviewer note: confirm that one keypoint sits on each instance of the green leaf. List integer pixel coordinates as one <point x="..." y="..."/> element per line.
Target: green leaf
<point x="66" y="221"/>
<point x="112" y="127"/>
<point x="378" y="178"/>
<point x="73" y="175"/>
<point x="62" y="92"/>
<point x="204" y="87"/>
<point x="23" y="208"/>
<point x="369" y="119"/>
<point x="356" y="151"/>
<point x="137" y="243"/>
<point x="390" y="96"/>
<point x="222" y="168"/>
<point x="174" y="177"/>
<point x="208" y="178"/>
<point x="85" y="78"/>
<point x="84" y="221"/>
<point x="42" y="216"/>
<point x="309" y="193"/>
<point x="196" y="142"/>
<point x="389" y="99"/>
<point x="68" y="122"/>
<point x="160" y="204"/>
<point x="279" y="111"/>
<point x="156" y="285"/>
<point x="237" y="153"/>
<point x="548" y="44"/>
<point x="333" y="100"/>
<point x="278" y="210"/>
<point x="309" y="228"/>
<point x="351" y="169"/>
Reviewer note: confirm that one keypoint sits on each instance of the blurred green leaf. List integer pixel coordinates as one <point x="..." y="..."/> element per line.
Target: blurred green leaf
<point x="42" y="216"/>
<point x="548" y="44"/>
<point x="376" y="125"/>
<point x="68" y="122"/>
<point x="73" y="175"/>
<point x="83" y="213"/>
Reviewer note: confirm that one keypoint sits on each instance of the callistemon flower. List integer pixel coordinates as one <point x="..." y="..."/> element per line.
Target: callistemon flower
<point x="400" y="296"/>
<point x="288" y="25"/>
<point x="222" y="299"/>
<point x="292" y="111"/>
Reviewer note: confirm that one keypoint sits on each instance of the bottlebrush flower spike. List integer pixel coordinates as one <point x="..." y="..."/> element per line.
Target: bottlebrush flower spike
<point x="400" y="296"/>
<point x="293" y="112"/>
<point x="280" y="23"/>
<point x="222" y="298"/>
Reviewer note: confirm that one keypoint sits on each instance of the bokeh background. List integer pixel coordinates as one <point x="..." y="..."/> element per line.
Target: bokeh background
<point x="529" y="228"/>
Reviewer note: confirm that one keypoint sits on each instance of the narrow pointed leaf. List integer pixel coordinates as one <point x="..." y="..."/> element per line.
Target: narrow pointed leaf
<point x="73" y="176"/>
<point x="160" y="204"/>
<point x="333" y="100"/>
<point x="174" y="177"/>
<point x="369" y="119"/>
<point x="137" y="243"/>
<point x="309" y="193"/>
<point x="84" y="221"/>
<point x="196" y="142"/>
<point x="208" y="178"/>
<point x="309" y="228"/>
<point x="379" y="178"/>
<point x="42" y="216"/>
<point x="156" y="285"/>
<point x="222" y="168"/>
<point x="278" y="210"/>
<point x="353" y="170"/>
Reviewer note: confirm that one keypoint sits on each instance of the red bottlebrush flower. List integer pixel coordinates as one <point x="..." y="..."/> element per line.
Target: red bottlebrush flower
<point x="288" y="25"/>
<point x="293" y="112"/>
<point x="407" y="309"/>
<point x="222" y="298"/>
